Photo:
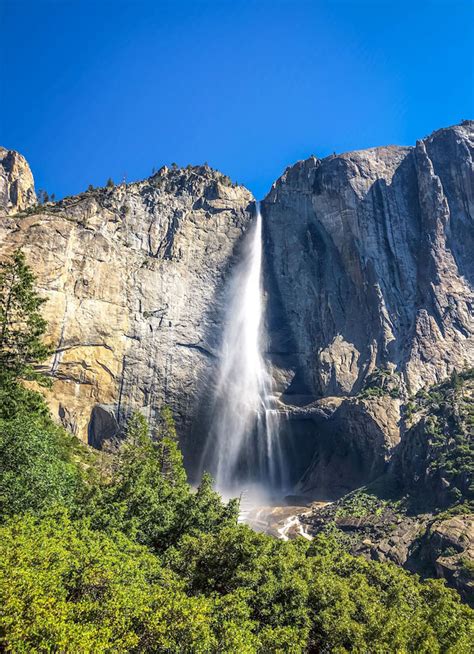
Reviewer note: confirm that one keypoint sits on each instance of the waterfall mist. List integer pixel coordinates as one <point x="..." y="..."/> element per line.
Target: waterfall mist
<point x="243" y="449"/>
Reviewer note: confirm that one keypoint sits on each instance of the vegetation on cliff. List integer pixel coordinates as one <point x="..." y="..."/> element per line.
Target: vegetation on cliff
<point x="119" y="554"/>
<point x="437" y="455"/>
<point x="419" y="513"/>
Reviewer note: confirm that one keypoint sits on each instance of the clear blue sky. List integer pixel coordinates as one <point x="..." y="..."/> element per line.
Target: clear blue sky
<point x="90" y="90"/>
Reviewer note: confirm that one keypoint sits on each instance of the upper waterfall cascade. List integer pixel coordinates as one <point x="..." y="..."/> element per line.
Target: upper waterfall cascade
<point x="243" y="444"/>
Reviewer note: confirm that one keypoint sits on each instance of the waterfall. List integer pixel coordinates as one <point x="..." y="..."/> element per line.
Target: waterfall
<point x="243" y="447"/>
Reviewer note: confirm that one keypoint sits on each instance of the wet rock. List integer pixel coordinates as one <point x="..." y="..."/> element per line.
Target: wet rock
<point x="351" y="440"/>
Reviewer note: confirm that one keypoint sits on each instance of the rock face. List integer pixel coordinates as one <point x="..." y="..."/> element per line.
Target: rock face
<point x="370" y="257"/>
<point x="435" y="459"/>
<point x="346" y="442"/>
<point x="433" y="546"/>
<point x="449" y="547"/>
<point x="369" y="271"/>
<point x="17" y="189"/>
<point x="132" y="275"/>
<point x="369" y="261"/>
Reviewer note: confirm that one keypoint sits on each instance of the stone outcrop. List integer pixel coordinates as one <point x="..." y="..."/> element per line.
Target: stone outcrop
<point x="17" y="188"/>
<point x="346" y="442"/>
<point x="433" y="546"/>
<point x="370" y="264"/>
<point x="449" y="547"/>
<point x="132" y="276"/>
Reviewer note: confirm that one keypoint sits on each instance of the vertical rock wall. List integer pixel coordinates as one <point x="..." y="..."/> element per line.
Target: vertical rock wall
<point x="371" y="256"/>
<point x="133" y="276"/>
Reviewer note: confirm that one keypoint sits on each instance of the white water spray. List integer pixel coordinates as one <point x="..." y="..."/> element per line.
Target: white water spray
<point x="244" y="441"/>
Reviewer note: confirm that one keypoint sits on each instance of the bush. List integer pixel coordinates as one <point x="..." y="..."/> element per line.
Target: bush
<point x="37" y="469"/>
<point x="68" y="588"/>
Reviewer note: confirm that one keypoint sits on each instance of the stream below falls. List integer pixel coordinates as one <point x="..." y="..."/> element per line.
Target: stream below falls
<point x="279" y="520"/>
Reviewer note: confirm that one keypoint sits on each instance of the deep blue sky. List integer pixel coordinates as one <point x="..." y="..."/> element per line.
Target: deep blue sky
<point x="90" y="90"/>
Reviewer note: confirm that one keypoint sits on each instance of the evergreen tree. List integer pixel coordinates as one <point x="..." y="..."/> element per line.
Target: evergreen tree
<point x="37" y="462"/>
<point x="21" y="324"/>
<point x="43" y="196"/>
<point x="148" y="492"/>
<point x="206" y="512"/>
<point x="137" y="430"/>
<point x="110" y="183"/>
<point x="168" y="450"/>
<point x="456" y="380"/>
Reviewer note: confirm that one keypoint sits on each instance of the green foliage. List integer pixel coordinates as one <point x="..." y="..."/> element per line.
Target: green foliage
<point x="110" y="183"/>
<point x="467" y="567"/>
<point x="445" y="437"/>
<point x="410" y="409"/>
<point x="131" y="559"/>
<point x="37" y="466"/>
<point x="318" y="598"/>
<point x="380" y="383"/>
<point x="148" y="491"/>
<point x="203" y="584"/>
<point x="356" y="602"/>
<point x="21" y="324"/>
<point x="149" y="498"/>
<point x="205" y="511"/>
<point x="15" y="398"/>
<point x="359" y="504"/>
<point x="66" y="587"/>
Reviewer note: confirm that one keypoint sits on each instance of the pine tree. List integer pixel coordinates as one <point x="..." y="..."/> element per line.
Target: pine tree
<point x="43" y="196"/>
<point x="456" y="380"/>
<point x="110" y="183"/>
<point x="21" y="324"/>
<point x="137" y="429"/>
<point x="168" y="449"/>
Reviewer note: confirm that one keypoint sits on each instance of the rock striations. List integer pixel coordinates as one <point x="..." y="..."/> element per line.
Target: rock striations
<point x="371" y="256"/>
<point x="370" y="276"/>
<point x="132" y="275"/>
<point x="369" y="271"/>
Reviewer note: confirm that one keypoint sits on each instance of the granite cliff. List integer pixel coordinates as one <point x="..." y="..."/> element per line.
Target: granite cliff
<point x="371" y="256"/>
<point x="132" y="275"/>
<point x="17" y="189"/>
<point x="369" y="281"/>
<point x="370" y="274"/>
